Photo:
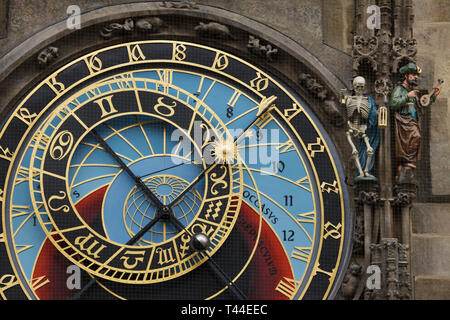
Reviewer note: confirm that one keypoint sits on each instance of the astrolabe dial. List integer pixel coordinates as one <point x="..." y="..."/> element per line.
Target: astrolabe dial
<point x="138" y="210"/>
<point x="168" y="170"/>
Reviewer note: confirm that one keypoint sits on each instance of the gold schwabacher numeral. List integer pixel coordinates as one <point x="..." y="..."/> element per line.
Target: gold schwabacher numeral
<point x="93" y="63"/>
<point x="220" y="61"/>
<point x="135" y="53"/>
<point x="26" y="116"/>
<point x="291" y="113"/>
<point x="56" y="86"/>
<point x="316" y="147"/>
<point x="164" y="109"/>
<point x="259" y="83"/>
<point x="5" y="153"/>
<point x="329" y="187"/>
<point x="179" y="52"/>
<point x="331" y="230"/>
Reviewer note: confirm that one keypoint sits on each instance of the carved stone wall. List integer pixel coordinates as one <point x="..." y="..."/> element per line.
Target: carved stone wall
<point x="430" y="233"/>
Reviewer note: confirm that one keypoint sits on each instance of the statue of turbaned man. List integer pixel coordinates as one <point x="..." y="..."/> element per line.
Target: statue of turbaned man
<point x="405" y="102"/>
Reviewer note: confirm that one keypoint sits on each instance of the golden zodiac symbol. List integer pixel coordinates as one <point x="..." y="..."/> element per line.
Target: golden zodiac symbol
<point x="165" y="256"/>
<point x="218" y="181"/>
<point x="64" y="139"/>
<point x="214" y="213"/>
<point x="83" y="240"/>
<point x="64" y="208"/>
<point x="170" y="108"/>
<point x="132" y="255"/>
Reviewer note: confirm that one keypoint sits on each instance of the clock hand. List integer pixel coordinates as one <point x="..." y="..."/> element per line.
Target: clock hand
<point x="264" y="107"/>
<point x="125" y="168"/>
<point x="210" y="262"/>
<point x="162" y="210"/>
<point x="168" y="168"/>
<point x="199" y="177"/>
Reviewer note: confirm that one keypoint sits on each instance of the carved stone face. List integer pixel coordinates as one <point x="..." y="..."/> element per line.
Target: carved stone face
<point x="358" y="85"/>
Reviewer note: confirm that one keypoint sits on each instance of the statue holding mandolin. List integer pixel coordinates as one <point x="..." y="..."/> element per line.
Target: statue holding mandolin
<point x="407" y="102"/>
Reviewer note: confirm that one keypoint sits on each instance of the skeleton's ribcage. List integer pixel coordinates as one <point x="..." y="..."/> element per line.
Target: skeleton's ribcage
<point x="360" y="107"/>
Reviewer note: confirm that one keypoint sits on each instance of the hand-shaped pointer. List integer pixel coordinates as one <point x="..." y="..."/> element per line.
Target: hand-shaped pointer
<point x="200" y="243"/>
<point x="264" y="107"/>
<point x="166" y="211"/>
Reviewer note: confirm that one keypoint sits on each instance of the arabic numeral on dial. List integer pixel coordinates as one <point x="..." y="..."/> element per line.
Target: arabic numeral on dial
<point x="278" y="166"/>
<point x="288" y="201"/>
<point x="230" y="112"/>
<point x="288" y="235"/>
<point x="259" y="135"/>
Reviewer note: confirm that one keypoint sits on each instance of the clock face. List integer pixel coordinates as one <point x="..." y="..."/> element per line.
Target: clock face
<point x="168" y="170"/>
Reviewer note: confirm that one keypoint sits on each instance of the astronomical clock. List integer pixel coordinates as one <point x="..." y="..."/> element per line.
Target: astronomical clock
<point x="164" y="168"/>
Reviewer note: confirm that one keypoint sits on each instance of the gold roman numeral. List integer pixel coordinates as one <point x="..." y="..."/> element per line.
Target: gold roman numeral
<point x="39" y="282"/>
<point x="107" y="108"/>
<point x="307" y="217"/>
<point x="288" y="287"/>
<point x="286" y="146"/>
<point x="304" y="183"/>
<point x="301" y="253"/>
<point x="166" y="77"/>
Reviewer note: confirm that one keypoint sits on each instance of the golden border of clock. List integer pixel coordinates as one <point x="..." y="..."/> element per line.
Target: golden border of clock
<point x="334" y="231"/>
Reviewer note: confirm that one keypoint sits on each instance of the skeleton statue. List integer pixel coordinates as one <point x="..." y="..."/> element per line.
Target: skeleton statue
<point x="363" y="128"/>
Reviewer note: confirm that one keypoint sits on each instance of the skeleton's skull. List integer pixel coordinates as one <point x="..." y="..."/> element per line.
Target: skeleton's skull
<point x="358" y="85"/>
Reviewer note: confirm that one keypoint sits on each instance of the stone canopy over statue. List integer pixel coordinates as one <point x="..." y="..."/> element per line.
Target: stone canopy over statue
<point x="362" y="115"/>
<point x="405" y="102"/>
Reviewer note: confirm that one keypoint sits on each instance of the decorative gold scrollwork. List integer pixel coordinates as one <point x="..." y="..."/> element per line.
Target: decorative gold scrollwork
<point x="218" y="181"/>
